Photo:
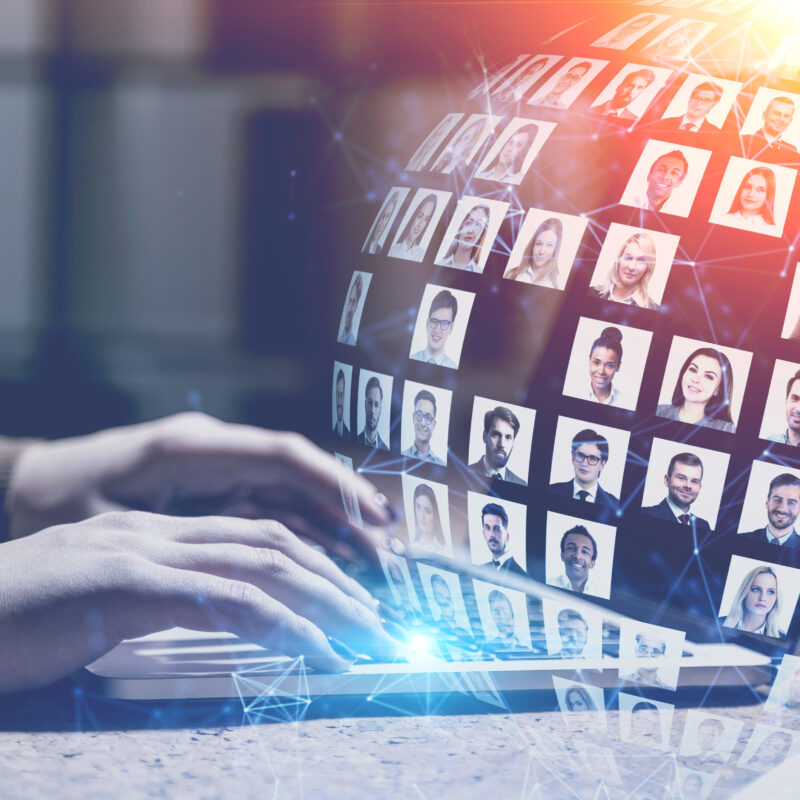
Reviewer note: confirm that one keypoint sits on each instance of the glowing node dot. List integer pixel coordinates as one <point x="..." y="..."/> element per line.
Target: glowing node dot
<point x="291" y="216"/>
<point x="692" y="264"/>
<point x="369" y="698"/>
<point x="696" y="551"/>
<point x="337" y="137"/>
<point x="293" y="173"/>
<point x="791" y="247"/>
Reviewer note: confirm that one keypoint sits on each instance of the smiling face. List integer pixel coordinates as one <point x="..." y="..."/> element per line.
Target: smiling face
<point x="783" y="506"/>
<point x="424" y="422"/>
<point x="701" y="380"/>
<point x="495" y="534"/>
<point x="753" y="195"/>
<point x="499" y="441"/>
<point x="633" y="265"/>
<point x="778" y="117"/>
<point x="684" y="484"/>
<point x="577" y="555"/>
<point x="700" y="103"/>
<point x="603" y="366"/>
<point x="761" y="596"/>
<point x="666" y="175"/>
<point x="440" y="326"/>
<point x="424" y="514"/>
<point x="793" y="407"/>
<point x="544" y="248"/>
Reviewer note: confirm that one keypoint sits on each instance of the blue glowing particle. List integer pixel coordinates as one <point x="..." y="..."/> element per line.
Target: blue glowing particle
<point x="292" y="216"/>
<point x="337" y="136"/>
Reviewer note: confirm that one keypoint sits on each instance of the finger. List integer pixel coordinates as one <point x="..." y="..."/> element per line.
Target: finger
<point x="274" y="535"/>
<point x="166" y="597"/>
<point x="304" y="592"/>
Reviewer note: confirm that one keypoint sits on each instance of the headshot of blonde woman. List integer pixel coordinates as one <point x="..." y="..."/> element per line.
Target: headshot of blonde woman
<point x="756" y="606"/>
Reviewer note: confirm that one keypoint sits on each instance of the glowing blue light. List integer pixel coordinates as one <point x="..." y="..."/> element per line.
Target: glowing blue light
<point x="419" y="645"/>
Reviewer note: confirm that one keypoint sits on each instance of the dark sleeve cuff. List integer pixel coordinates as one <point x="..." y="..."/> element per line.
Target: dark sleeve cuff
<point x="10" y="451"/>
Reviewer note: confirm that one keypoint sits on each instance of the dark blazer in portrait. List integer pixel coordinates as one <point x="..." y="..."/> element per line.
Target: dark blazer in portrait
<point x="380" y="444"/>
<point x="478" y="469"/>
<point x="508" y="566"/>
<point x="674" y="124"/>
<point x="663" y="511"/>
<point x="760" y="536"/>
<point x="602" y="497"/>
<point x="345" y="431"/>
<point x="756" y="146"/>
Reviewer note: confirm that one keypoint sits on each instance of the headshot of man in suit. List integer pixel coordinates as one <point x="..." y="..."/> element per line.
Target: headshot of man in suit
<point x="340" y="429"/>
<point x="447" y="610"/>
<point x="574" y="632"/>
<point x="565" y="82"/>
<point x="767" y="143"/>
<point x="494" y="521"/>
<point x="423" y="418"/>
<point x="783" y="506"/>
<point x="439" y="326"/>
<point x="709" y="737"/>
<point x="579" y="554"/>
<point x="703" y="98"/>
<point x="589" y="456"/>
<point x="792" y="433"/>
<point x="373" y="401"/>
<point x="629" y="88"/>
<point x="648" y="645"/>
<point x="683" y="480"/>
<point x="503" y="618"/>
<point x="665" y="176"/>
<point x="500" y="428"/>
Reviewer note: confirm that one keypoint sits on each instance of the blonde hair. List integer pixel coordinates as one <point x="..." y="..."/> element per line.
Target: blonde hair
<point x="736" y="614"/>
<point x="640" y="296"/>
<point x="549" y="271"/>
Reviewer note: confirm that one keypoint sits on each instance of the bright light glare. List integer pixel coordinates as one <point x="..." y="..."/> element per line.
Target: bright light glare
<point x="419" y="645"/>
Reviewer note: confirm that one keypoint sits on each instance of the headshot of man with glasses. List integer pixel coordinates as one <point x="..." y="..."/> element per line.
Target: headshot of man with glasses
<point x="439" y="327"/>
<point x="589" y="457"/>
<point x="423" y="419"/>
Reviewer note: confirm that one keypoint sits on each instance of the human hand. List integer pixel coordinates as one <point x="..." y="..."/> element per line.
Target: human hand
<point x="71" y="593"/>
<point x="157" y="466"/>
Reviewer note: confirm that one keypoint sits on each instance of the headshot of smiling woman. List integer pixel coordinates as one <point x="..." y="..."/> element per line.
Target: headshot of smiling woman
<point x="756" y="606"/>
<point x="703" y="391"/>
<point x="629" y="276"/>
<point x="427" y="522"/>
<point x="605" y="359"/>
<point x="754" y="202"/>
<point x="408" y="242"/>
<point x="539" y="265"/>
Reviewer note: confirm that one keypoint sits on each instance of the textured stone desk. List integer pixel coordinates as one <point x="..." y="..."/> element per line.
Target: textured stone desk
<point x="56" y="745"/>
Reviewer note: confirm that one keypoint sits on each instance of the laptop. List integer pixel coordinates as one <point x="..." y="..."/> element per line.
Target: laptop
<point x="567" y="353"/>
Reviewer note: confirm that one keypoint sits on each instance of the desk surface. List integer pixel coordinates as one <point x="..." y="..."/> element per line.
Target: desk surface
<point x="56" y="744"/>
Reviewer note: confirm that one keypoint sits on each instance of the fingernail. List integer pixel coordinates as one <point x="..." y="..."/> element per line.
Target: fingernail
<point x="383" y="501"/>
<point x="341" y="649"/>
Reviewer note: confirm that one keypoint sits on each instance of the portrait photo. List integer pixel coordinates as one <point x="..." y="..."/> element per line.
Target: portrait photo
<point x="650" y="655"/>
<point x="373" y="409"/>
<point x="562" y="89"/>
<point x="522" y="79"/>
<point x="425" y="422"/>
<point x="580" y="697"/>
<point x="666" y="178"/>
<point x="396" y="571"/>
<point x="579" y="554"/>
<point x="589" y="458"/>
<point x="680" y="40"/>
<point x="767" y="747"/>
<point x="701" y="104"/>
<point x="349" y="499"/>
<point x="422" y="155"/>
<point x="445" y="600"/>
<point x="545" y="248"/>
<point x="441" y="326"/>
<point x="465" y="144"/>
<point x="709" y="738"/>
<point x="493" y="77"/>
<point x="342" y="383"/>
<point x="771" y="129"/>
<point x="497" y="533"/>
<point x="781" y="422"/>
<point x="645" y="722"/>
<point x="627" y="33"/>
<point x="418" y="224"/>
<point x="784" y="696"/>
<point x="471" y="233"/>
<point x="387" y="214"/>
<point x="633" y="266"/>
<point x="511" y="156"/>
<point x="572" y="633"/>
<point x="353" y="307"/>
<point x="771" y="504"/>
<point x="684" y="483"/>
<point x="607" y="363"/>
<point x="754" y="196"/>
<point x="759" y="597"/>
<point x="500" y="438"/>
<point x="504" y="616"/>
<point x="791" y="323"/>
<point x="704" y="384"/>
<point x="629" y="93"/>
<point x="427" y="511"/>
<point x="692" y="784"/>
